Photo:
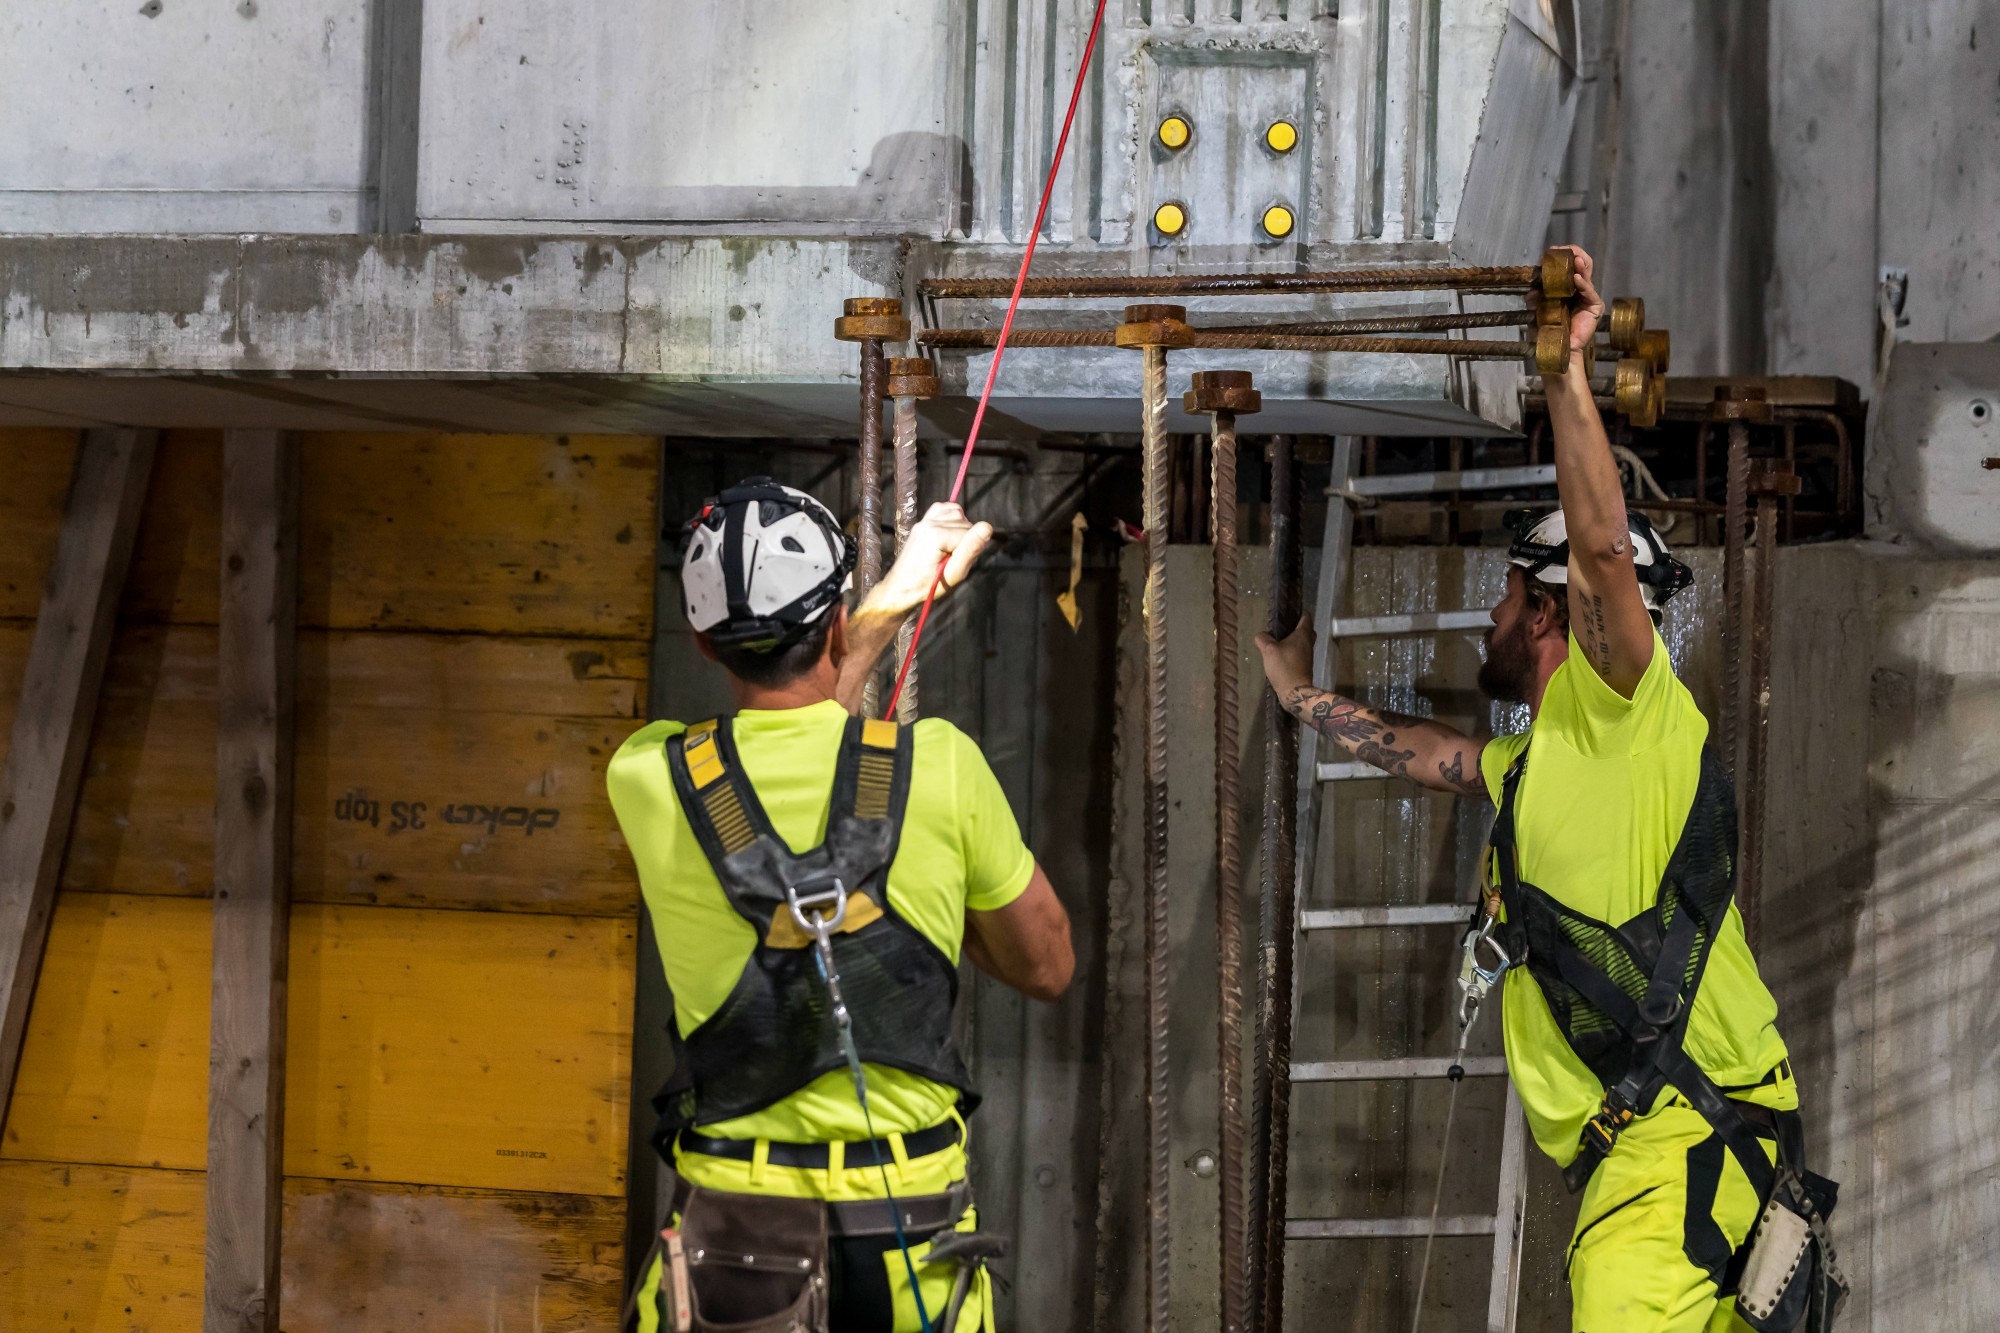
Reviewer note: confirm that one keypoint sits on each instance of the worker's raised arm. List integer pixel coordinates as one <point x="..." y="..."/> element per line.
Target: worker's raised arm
<point x="1607" y="612"/>
<point x="944" y="534"/>
<point x="1428" y="753"/>
<point x="1025" y="944"/>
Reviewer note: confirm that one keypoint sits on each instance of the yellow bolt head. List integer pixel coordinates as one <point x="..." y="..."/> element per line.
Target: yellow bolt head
<point x="1281" y="136"/>
<point x="1174" y="132"/>
<point x="1278" y="221"/>
<point x="1170" y="219"/>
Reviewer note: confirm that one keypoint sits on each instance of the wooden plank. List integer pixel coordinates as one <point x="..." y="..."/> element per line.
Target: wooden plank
<point x="92" y="1247"/>
<point x="513" y="534"/>
<point x="455" y="722"/>
<point x="37" y="465"/>
<point x="52" y="723"/>
<point x="97" y="1247"/>
<point x="471" y="1049"/>
<point x="383" y="1256"/>
<point x="257" y="651"/>
<point x="16" y="638"/>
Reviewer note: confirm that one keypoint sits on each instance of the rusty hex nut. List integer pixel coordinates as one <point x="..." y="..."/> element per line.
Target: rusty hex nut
<point x="1656" y="345"/>
<point x="1632" y="388"/>
<point x="1747" y="403"/>
<point x="1558" y="276"/>
<point x="865" y="317"/>
<point x="912" y="377"/>
<point x="1222" y="391"/>
<point x="1628" y="318"/>
<point x="1552" y="349"/>
<point x="1773" y="477"/>
<point x="1154" y="326"/>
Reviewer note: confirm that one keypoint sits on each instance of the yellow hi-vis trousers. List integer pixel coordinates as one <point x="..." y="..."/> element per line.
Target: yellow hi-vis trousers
<point x="1661" y="1218"/>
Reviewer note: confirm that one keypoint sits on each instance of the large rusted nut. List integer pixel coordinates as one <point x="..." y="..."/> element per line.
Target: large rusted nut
<point x="1558" y="274"/>
<point x="1590" y="360"/>
<point x="1746" y="403"/>
<point x="1656" y="345"/>
<point x="1552" y="312"/>
<point x="1552" y="349"/>
<point x="1632" y="388"/>
<point x="912" y="377"/>
<point x="1659" y="396"/>
<point x="1222" y="391"/>
<point x="1154" y="326"/>
<point x="865" y="317"/>
<point x="1628" y="319"/>
<point x="1773" y="477"/>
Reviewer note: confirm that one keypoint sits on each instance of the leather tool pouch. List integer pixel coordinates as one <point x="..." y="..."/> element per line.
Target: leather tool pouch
<point x="1788" y="1282"/>
<point x="756" y="1263"/>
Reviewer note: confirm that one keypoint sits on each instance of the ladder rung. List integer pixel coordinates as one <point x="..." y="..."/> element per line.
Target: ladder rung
<point x="1421" y="622"/>
<point x="1361" y="1228"/>
<point x="1361" y="1071"/>
<point x="1351" y="771"/>
<point x="1471" y="479"/>
<point x="1362" y="918"/>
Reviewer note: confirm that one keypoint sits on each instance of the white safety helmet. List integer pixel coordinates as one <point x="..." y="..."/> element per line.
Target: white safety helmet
<point x="763" y="562"/>
<point x="1541" y="551"/>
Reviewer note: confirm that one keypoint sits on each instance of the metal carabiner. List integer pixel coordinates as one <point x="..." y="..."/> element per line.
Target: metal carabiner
<point x="1476" y="979"/>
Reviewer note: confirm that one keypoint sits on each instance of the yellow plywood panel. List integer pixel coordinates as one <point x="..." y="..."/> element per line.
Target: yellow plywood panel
<point x="113" y="1248"/>
<point x="35" y="467"/>
<point x="96" y="1249"/>
<point x="115" y="1066"/>
<point x="399" y="1257"/>
<point x="475" y="1049"/>
<point x="480" y="1049"/>
<point x="432" y="770"/>
<point x="500" y="534"/>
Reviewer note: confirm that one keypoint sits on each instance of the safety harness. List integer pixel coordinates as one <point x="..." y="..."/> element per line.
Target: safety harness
<point x="1622" y="996"/>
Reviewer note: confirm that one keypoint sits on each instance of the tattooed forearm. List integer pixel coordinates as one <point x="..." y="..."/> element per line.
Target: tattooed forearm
<point x="1396" y="743"/>
<point x="1454" y="776"/>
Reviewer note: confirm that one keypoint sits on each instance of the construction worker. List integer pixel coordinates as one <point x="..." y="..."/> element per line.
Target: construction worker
<point x="812" y="878"/>
<point x="1647" y="1057"/>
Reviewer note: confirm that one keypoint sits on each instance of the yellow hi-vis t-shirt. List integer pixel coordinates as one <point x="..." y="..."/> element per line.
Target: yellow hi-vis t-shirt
<point x="960" y="849"/>
<point x="1608" y="787"/>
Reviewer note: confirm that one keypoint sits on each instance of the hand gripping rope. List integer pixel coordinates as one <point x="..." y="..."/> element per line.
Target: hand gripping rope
<point x="1476" y="977"/>
<point x="819" y="914"/>
<point x="1000" y="347"/>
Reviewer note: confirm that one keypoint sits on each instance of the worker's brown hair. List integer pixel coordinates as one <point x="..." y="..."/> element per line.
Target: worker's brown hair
<point x="1552" y="595"/>
<point x="780" y="665"/>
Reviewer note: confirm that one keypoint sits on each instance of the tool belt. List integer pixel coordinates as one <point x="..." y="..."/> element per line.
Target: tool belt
<point x="758" y="1263"/>
<point x="1622" y="996"/>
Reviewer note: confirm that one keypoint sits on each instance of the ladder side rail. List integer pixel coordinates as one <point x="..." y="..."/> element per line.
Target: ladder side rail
<point x="1503" y="1295"/>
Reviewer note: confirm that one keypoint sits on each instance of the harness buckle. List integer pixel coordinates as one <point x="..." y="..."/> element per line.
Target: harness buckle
<point x="825" y="920"/>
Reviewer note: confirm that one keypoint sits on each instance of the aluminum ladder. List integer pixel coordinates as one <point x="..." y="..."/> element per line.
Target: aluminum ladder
<point x="1316" y="771"/>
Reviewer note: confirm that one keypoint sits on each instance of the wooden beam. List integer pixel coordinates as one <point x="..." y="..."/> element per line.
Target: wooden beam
<point x="51" y="732"/>
<point x="255" y="674"/>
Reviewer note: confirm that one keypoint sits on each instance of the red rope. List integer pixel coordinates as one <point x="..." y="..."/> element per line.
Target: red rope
<point x="1000" y="347"/>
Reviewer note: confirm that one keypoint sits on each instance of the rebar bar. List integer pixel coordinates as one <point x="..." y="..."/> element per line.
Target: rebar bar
<point x="1735" y="503"/>
<point x="906" y="518"/>
<point x="1280" y="893"/>
<point x="868" y="560"/>
<point x="1228" y="881"/>
<point x="1750" y="855"/>
<point x="1231" y="340"/>
<point x="1466" y="319"/>
<point x="1503" y="278"/>
<point x="1158" y="480"/>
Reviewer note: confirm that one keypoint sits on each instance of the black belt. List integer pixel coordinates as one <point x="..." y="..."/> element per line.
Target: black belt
<point x="814" y="1156"/>
<point x="920" y="1216"/>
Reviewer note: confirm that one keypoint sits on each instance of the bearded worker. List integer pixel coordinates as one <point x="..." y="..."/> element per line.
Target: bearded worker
<point x="1643" y="1043"/>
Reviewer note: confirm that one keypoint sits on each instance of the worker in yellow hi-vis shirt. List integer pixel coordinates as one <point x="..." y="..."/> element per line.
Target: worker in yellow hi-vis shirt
<point x="812" y="878"/>
<point x="1642" y="1042"/>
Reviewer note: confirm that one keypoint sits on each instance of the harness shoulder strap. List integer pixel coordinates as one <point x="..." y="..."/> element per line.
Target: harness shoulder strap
<point x="717" y="799"/>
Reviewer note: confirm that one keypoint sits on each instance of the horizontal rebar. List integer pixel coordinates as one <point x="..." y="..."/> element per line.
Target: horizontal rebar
<point x="1509" y="277"/>
<point x="1221" y="339"/>
<point x="1468" y="319"/>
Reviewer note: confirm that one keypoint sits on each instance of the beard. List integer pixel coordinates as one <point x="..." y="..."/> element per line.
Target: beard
<point x="1509" y="667"/>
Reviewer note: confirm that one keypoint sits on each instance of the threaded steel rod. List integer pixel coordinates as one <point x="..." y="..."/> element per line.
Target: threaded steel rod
<point x="1466" y="319"/>
<point x="1228" y="882"/>
<point x="1281" y="763"/>
<point x="906" y="518"/>
<point x="1509" y="277"/>
<point x="1158" y="496"/>
<point x="1734" y="515"/>
<point x="868" y="560"/>
<point x="1269" y="340"/>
